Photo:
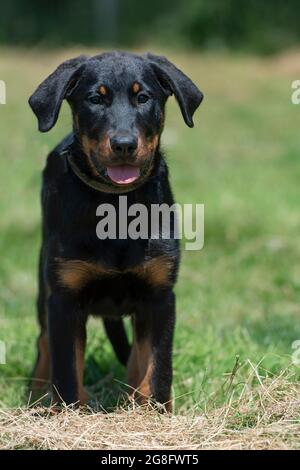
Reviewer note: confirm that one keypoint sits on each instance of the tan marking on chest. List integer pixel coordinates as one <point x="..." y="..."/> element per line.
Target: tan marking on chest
<point x="156" y="271"/>
<point x="76" y="274"/>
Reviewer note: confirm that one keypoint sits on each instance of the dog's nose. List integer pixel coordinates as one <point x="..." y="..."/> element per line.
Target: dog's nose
<point x="123" y="146"/>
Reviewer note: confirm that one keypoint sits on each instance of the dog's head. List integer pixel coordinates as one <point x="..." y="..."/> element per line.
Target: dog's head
<point x="117" y="100"/>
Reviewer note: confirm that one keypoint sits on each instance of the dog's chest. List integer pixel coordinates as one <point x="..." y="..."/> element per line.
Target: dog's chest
<point x="77" y="275"/>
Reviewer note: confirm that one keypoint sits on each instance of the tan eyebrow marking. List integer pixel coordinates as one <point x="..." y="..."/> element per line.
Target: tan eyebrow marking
<point x="136" y="87"/>
<point x="102" y="90"/>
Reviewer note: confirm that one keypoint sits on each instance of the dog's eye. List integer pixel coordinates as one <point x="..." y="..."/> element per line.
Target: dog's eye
<point x="95" y="99"/>
<point x="142" y="98"/>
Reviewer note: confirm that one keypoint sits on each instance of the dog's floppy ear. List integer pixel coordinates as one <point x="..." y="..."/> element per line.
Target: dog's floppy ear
<point x="47" y="99"/>
<point x="173" y="81"/>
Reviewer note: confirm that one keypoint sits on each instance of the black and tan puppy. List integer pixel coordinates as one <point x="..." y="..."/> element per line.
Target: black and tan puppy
<point x="117" y="100"/>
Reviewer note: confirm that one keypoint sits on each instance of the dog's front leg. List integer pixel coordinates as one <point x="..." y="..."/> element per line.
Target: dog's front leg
<point x="67" y="343"/>
<point x="150" y="361"/>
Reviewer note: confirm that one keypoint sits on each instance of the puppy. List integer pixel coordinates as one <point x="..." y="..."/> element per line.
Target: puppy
<point x="118" y="106"/>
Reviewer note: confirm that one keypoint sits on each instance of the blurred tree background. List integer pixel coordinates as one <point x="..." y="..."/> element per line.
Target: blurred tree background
<point x="263" y="26"/>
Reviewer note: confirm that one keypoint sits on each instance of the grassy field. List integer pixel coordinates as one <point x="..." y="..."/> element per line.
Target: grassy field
<point x="240" y="295"/>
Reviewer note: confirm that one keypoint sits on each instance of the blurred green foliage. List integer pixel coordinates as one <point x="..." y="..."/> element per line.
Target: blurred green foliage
<point x="262" y="26"/>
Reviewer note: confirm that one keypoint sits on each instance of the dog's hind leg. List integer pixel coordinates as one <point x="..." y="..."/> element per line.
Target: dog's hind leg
<point x="116" y="333"/>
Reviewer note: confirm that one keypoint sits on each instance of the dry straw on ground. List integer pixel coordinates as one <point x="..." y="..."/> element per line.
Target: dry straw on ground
<point x="266" y="417"/>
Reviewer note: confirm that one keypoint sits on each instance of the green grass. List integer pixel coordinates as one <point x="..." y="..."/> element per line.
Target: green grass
<point x="240" y="295"/>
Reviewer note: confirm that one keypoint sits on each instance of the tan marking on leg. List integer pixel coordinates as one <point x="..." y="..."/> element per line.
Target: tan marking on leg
<point x="133" y="368"/>
<point x="79" y="357"/>
<point x="146" y="364"/>
<point x="140" y="369"/>
<point x="145" y="370"/>
<point x="41" y="375"/>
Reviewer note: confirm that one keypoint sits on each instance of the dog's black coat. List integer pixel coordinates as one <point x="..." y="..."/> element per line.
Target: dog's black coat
<point x="69" y="293"/>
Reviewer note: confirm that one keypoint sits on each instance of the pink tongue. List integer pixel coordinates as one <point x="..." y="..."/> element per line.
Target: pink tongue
<point x="123" y="174"/>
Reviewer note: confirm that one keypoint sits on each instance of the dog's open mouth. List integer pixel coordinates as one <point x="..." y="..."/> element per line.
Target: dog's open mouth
<point x="123" y="174"/>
